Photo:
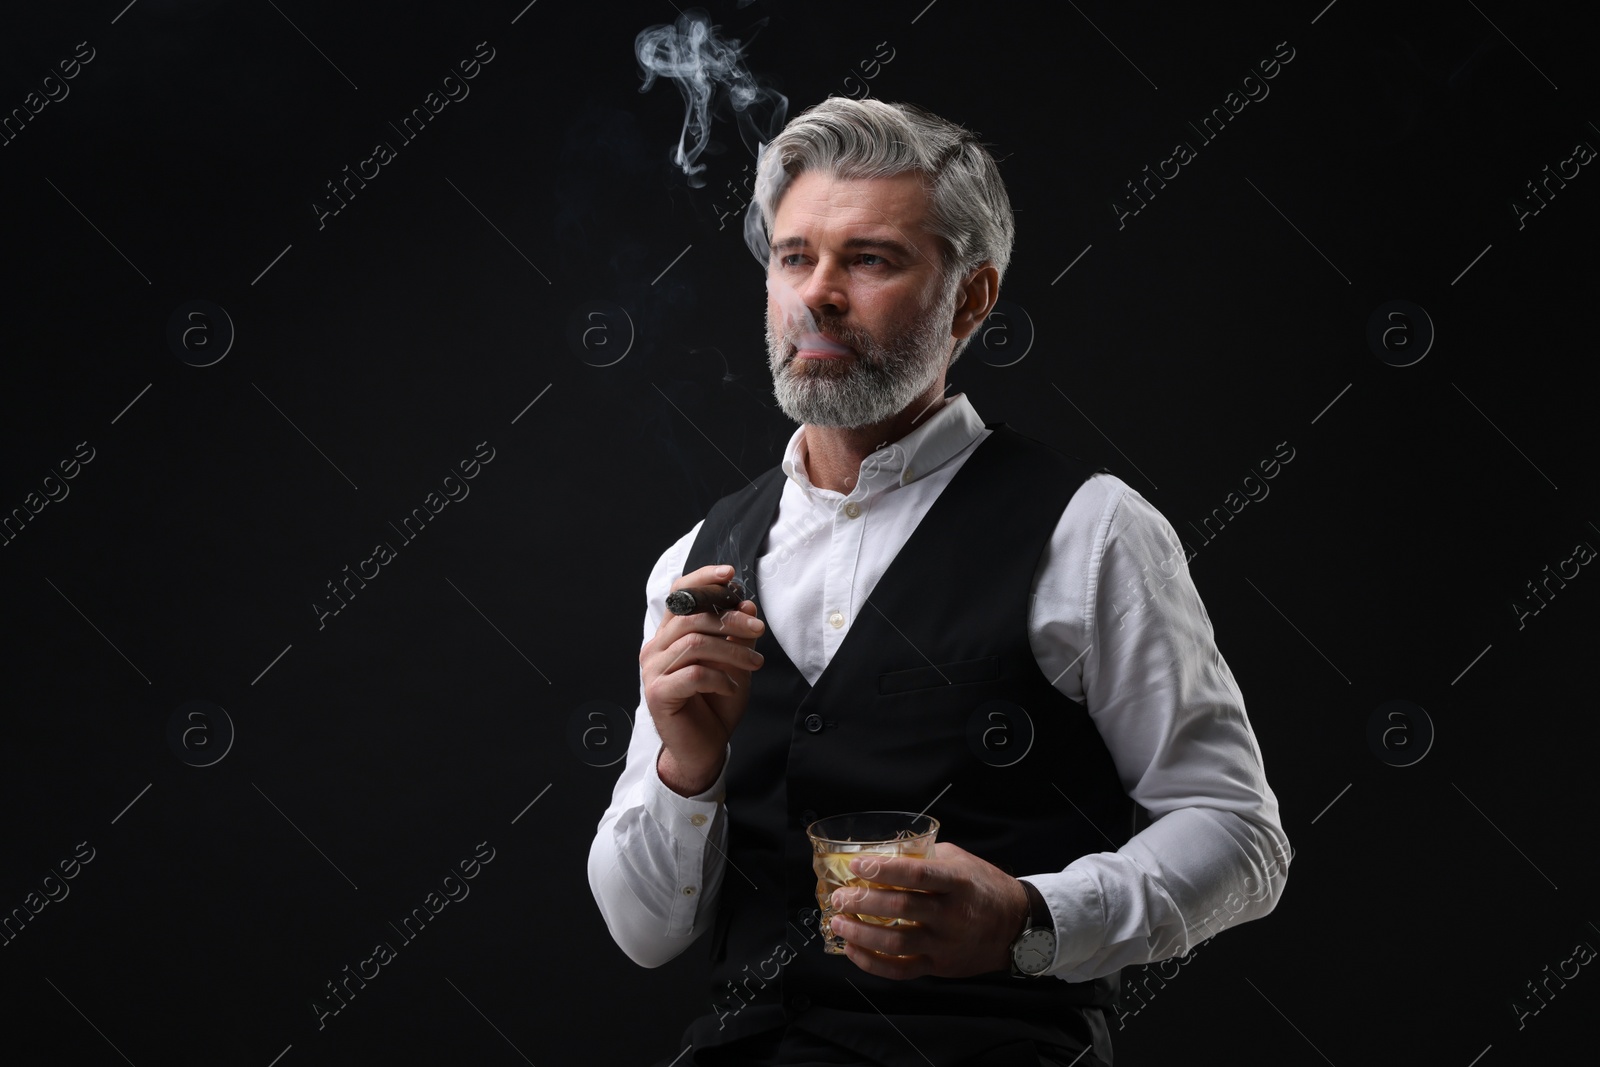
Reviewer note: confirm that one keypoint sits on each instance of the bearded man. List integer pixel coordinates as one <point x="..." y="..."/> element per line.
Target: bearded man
<point x="944" y="616"/>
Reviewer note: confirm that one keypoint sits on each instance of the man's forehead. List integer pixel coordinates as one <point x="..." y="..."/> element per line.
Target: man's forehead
<point x="892" y="206"/>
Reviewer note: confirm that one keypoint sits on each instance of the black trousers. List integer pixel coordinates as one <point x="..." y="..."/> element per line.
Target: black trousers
<point x="798" y="1048"/>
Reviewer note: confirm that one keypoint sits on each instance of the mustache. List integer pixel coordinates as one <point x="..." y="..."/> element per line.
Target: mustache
<point x="853" y="339"/>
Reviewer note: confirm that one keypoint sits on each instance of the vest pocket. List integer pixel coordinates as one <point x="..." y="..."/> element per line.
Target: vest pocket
<point x="959" y="672"/>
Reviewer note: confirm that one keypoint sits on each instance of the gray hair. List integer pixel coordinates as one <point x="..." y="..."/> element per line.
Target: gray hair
<point x="968" y="209"/>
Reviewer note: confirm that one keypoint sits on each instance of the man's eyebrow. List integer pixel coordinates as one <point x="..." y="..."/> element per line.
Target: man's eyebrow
<point x="888" y="244"/>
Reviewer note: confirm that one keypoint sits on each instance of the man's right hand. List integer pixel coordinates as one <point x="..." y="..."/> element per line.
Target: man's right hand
<point x="696" y="672"/>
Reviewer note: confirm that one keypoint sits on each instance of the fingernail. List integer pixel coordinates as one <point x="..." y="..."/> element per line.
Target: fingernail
<point x="724" y="571"/>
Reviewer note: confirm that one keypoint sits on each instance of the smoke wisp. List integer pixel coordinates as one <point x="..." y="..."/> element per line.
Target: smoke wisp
<point x="700" y="63"/>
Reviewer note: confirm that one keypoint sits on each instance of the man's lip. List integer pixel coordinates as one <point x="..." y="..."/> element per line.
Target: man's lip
<point x="820" y="346"/>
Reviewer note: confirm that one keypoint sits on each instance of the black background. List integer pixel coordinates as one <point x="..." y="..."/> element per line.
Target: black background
<point x="375" y="352"/>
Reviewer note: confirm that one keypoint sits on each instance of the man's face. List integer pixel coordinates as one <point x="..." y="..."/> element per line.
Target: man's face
<point x="856" y="254"/>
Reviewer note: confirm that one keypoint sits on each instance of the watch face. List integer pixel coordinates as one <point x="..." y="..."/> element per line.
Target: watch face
<point x="1033" y="951"/>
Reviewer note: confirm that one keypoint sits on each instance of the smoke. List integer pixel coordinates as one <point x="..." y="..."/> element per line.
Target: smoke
<point x="730" y="554"/>
<point x="755" y="232"/>
<point x="797" y="317"/>
<point x="755" y="239"/>
<point x="700" y="63"/>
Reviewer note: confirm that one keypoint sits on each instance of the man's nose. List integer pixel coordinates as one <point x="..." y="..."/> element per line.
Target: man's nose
<point x="827" y="286"/>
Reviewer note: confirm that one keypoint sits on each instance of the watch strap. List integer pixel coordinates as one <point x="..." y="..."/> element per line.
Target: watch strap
<point x="1039" y="916"/>
<point x="1039" y="925"/>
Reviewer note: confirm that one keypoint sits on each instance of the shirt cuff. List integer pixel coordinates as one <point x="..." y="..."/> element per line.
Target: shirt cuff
<point x="690" y="822"/>
<point x="1077" y="911"/>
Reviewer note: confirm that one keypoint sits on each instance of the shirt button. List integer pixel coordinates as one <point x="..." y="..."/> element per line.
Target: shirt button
<point x="814" y="723"/>
<point x="800" y="1002"/>
<point x="852" y="510"/>
<point x="688" y="890"/>
<point x="807" y="817"/>
<point x="698" y="820"/>
<point x="907" y="476"/>
<point x="836" y="619"/>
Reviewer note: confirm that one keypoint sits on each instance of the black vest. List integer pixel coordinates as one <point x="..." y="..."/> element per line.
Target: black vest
<point x="935" y="685"/>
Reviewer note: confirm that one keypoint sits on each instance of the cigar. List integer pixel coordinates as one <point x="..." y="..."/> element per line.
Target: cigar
<point x="699" y="599"/>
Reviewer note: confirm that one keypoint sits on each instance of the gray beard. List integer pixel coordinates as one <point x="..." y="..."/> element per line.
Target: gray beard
<point x="874" y="385"/>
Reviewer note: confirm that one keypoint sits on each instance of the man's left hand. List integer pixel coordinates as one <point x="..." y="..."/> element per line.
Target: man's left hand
<point x="965" y="914"/>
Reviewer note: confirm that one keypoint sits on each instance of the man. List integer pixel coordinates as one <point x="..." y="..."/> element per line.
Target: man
<point x="946" y="616"/>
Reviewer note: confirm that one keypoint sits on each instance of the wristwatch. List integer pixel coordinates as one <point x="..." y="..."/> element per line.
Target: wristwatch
<point x="1035" y="948"/>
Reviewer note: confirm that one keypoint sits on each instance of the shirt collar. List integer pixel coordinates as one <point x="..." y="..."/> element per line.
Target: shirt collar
<point x="942" y="436"/>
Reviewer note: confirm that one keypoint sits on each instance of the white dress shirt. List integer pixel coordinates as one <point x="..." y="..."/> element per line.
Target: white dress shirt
<point x="1117" y="624"/>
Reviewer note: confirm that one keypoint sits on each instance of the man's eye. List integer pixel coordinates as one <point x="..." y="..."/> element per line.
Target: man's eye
<point x="869" y="255"/>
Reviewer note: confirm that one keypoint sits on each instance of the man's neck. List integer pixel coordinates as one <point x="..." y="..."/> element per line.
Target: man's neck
<point x="834" y="453"/>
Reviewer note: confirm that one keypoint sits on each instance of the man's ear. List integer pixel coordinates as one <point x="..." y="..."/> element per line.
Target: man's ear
<point x="977" y="296"/>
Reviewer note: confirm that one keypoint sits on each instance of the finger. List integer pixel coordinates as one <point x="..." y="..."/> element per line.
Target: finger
<point x="674" y="688"/>
<point x="711" y="574"/>
<point x="887" y="903"/>
<point x="887" y="966"/>
<point x="904" y="939"/>
<point x="907" y="872"/>
<point x="741" y="624"/>
<point x="683" y="677"/>
<point x="700" y="648"/>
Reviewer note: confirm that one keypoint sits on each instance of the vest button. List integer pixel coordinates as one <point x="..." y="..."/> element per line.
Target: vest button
<point x="807" y="817"/>
<point x="814" y="723"/>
